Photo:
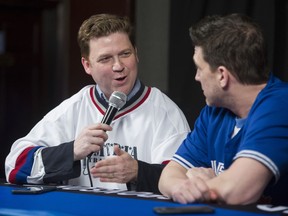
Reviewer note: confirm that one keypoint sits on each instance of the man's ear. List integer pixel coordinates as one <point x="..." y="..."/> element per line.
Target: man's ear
<point x="223" y="76"/>
<point x="86" y="65"/>
<point x="136" y="54"/>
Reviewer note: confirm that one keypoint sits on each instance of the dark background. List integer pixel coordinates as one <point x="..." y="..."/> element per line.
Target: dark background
<point x="40" y="62"/>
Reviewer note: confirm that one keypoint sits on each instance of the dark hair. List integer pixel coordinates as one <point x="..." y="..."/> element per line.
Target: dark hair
<point x="233" y="41"/>
<point x="102" y="25"/>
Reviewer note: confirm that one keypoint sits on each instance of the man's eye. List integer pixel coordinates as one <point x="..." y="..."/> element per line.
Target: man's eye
<point x="126" y="54"/>
<point x="104" y="59"/>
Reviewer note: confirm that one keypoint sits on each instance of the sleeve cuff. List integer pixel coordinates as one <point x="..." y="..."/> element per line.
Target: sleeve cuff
<point x="148" y="177"/>
<point x="59" y="163"/>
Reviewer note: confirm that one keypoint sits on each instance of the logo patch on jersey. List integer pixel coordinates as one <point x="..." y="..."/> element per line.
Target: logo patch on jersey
<point x="218" y="167"/>
<point x="108" y="150"/>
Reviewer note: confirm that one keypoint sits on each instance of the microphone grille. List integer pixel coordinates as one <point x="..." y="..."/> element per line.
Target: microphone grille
<point x="117" y="99"/>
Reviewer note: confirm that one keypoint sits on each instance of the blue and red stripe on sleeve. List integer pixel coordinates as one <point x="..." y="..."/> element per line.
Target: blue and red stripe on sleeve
<point x="23" y="166"/>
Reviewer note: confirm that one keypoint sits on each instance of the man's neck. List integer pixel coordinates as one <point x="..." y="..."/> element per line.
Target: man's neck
<point x="244" y="97"/>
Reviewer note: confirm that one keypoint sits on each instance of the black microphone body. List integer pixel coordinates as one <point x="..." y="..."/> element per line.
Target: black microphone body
<point x="109" y="114"/>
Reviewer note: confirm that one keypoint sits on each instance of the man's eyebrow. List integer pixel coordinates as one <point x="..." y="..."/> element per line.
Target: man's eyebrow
<point x="126" y="50"/>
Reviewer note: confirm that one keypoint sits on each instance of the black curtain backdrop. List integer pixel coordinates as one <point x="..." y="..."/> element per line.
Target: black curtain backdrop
<point x="272" y="15"/>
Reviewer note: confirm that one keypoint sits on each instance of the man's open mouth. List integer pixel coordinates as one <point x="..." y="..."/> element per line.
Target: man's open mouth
<point x="121" y="78"/>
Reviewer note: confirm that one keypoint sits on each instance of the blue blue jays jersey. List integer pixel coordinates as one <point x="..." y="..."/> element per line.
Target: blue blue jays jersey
<point x="263" y="137"/>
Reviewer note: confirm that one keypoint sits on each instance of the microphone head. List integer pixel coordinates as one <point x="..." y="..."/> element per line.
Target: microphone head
<point x="117" y="99"/>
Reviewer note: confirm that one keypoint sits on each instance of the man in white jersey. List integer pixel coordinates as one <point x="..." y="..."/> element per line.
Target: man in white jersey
<point x="129" y="153"/>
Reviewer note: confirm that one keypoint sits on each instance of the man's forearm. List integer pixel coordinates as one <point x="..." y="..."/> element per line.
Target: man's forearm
<point x="59" y="163"/>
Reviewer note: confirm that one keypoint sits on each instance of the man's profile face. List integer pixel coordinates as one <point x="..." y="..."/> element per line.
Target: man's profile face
<point x="206" y="77"/>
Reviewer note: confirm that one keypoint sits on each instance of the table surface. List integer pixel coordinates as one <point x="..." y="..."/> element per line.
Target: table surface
<point x="74" y="201"/>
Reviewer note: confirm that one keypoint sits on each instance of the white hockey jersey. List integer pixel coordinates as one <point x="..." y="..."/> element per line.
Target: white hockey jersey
<point x="150" y="127"/>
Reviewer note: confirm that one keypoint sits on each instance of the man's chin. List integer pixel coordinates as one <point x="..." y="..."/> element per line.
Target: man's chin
<point x="210" y="104"/>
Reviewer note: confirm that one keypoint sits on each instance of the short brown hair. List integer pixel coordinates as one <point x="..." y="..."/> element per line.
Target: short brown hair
<point x="102" y="25"/>
<point x="236" y="42"/>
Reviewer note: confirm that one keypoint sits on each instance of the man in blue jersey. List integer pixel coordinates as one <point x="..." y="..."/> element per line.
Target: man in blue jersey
<point x="237" y="152"/>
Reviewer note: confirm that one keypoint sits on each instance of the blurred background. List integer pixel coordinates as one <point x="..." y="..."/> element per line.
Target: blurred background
<point x="40" y="61"/>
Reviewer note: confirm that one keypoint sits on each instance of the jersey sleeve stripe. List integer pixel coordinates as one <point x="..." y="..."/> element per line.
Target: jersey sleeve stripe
<point x="262" y="159"/>
<point x="182" y="161"/>
<point x="23" y="166"/>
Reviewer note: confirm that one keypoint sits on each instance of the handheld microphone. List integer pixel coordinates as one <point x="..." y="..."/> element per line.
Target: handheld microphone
<point x="116" y="101"/>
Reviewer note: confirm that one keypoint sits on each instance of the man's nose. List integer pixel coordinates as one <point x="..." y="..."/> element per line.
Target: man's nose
<point x="117" y="65"/>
